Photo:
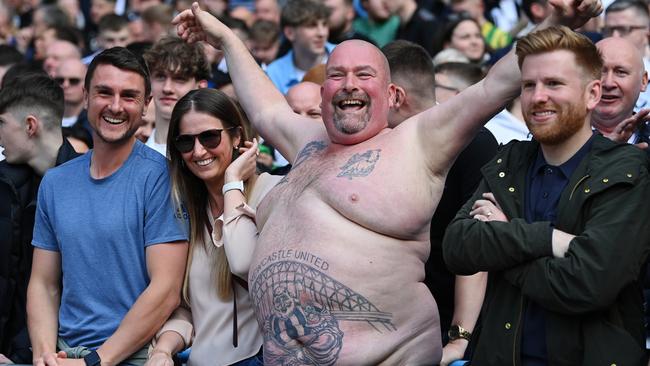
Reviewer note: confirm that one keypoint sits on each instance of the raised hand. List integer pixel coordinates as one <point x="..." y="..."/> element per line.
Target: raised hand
<point x="624" y="130"/>
<point x="575" y="13"/>
<point x="245" y="165"/>
<point x="194" y="25"/>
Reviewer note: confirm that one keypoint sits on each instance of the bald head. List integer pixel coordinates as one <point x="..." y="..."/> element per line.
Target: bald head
<point x="304" y="99"/>
<point x="623" y="79"/>
<point x="357" y="92"/>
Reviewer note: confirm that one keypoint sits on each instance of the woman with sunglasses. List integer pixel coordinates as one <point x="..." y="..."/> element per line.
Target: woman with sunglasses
<point x="217" y="319"/>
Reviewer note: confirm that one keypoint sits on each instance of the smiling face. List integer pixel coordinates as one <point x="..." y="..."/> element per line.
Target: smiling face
<point x="622" y="80"/>
<point x="205" y="163"/>
<point x="167" y="88"/>
<point x="467" y="38"/>
<point x="116" y="102"/>
<point x="309" y="38"/>
<point x="555" y="97"/>
<point x="356" y="94"/>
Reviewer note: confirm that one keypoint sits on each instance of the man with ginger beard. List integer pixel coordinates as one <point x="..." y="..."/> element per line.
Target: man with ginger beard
<point x="548" y="218"/>
<point x="343" y="238"/>
<point x="623" y="79"/>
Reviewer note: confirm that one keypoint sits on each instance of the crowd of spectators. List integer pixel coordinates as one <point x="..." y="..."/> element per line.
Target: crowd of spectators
<point x="435" y="50"/>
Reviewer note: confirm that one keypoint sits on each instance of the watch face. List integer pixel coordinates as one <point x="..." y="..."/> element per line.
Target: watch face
<point x="453" y="332"/>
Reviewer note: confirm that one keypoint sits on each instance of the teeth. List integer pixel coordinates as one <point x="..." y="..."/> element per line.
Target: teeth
<point x="546" y="113"/>
<point x="351" y="102"/>
<point x="113" y="120"/>
<point x="204" y="162"/>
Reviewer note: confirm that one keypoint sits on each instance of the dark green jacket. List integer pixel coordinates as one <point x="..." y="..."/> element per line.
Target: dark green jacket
<point x="592" y="296"/>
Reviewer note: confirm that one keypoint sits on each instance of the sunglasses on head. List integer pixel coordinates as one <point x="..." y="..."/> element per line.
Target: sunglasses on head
<point x="72" y="81"/>
<point x="208" y="138"/>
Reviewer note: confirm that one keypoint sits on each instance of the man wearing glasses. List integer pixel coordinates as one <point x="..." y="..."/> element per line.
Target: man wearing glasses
<point x="630" y="19"/>
<point x="69" y="75"/>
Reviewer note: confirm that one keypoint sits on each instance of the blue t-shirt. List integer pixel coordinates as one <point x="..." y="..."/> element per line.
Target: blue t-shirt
<point x="101" y="228"/>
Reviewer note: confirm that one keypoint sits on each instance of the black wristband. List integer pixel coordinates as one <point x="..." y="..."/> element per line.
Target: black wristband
<point x="92" y="359"/>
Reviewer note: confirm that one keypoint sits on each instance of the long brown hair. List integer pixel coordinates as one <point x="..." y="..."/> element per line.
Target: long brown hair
<point x="190" y="192"/>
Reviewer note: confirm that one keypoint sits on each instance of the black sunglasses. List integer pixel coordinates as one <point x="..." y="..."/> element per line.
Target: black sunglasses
<point x="208" y="138"/>
<point x="72" y="81"/>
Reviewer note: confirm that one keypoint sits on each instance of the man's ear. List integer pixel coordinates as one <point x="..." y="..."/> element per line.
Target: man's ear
<point x="147" y="102"/>
<point x="594" y="92"/>
<point x="32" y="124"/>
<point x="400" y="97"/>
<point x="290" y="33"/>
<point x="644" y="81"/>
<point x="85" y="99"/>
<point x="203" y="84"/>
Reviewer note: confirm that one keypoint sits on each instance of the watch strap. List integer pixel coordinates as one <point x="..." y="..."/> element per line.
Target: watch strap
<point x="457" y="332"/>
<point x="92" y="359"/>
<point x="238" y="185"/>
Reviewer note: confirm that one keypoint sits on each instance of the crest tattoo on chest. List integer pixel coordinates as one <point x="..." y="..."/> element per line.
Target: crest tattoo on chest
<point x="360" y="165"/>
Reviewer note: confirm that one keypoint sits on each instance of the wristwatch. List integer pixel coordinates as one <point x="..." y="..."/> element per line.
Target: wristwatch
<point x="456" y="332"/>
<point x="238" y="185"/>
<point x="92" y="359"/>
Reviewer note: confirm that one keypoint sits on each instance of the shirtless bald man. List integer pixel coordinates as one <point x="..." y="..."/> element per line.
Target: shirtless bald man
<point x="337" y="275"/>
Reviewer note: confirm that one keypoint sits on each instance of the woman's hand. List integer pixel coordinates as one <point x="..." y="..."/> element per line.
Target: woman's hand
<point x="159" y="358"/>
<point x="245" y="165"/>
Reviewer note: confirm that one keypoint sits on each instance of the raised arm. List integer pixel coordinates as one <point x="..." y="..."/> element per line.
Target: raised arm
<point x="444" y="130"/>
<point x="166" y="266"/>
<point x="265" y="106"/>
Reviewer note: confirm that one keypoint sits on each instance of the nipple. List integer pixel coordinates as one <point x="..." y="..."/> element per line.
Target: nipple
<point x="354" y="197"/>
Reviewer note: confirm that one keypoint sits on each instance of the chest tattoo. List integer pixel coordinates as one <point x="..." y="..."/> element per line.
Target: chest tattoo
<point x="360" y="164"/>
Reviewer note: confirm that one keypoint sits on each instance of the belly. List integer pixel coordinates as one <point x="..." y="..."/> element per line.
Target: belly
<point x="329" y="292"/>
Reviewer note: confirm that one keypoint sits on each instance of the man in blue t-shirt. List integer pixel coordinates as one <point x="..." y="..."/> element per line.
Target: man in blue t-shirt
<point x="109" y="253"/>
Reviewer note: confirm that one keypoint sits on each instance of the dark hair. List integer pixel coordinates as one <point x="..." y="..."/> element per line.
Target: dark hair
<point x="139" y="48"/>
<point x="448" y="31"/>
<point x="22" y="68"/>
<point x="68" y="33"/>
<point x="54" y="16"/>
<point x="9" y="55"/>
<point x="123" y="59"/>
<point x="36" y="93"/>
<point x="298" y="13"/>
<point x="466" y="74"/>
<point x="264" y="31"/>
<point x="639" y="7"/>
<point x="184" y="59"/>
<point x="191" y="190"/>
<point x="411" y="68"/>
<point x="112" y="22"/>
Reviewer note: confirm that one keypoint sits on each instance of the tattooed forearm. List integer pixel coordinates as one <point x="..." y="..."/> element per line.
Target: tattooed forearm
<point x="360" y="165"/>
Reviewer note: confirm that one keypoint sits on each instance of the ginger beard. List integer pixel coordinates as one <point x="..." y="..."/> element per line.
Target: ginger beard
<point x="569" y="119"/>
<point x="351" y="111"/>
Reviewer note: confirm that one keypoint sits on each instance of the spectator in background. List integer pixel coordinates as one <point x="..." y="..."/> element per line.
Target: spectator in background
<point x="304" y="99"/>
<point x="267" y="10"/>
<point x="70" y="75"/>
<point x="494" y="37"/>
<point x="380" y="26"/>
<point x="31" y="107"/>
<point x="57" y="52"/>
<point x="464" y="34"/>
<point x="148" y="124"/>
<point x="453" y="77"/>
<point x="176" y="67"/>
<point x="157" y="22"/>
<point x="340" y="22"/>
<point x="73" y="11"/>
<point x="265" y="41"/>
<point x="304" y="23"/>
<point x="113" y="31"/>
<point x="99" y="9"/>
<point x="61" y="33"/>
<point x="630" y="19"/>
<point x="417" y="24"/>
